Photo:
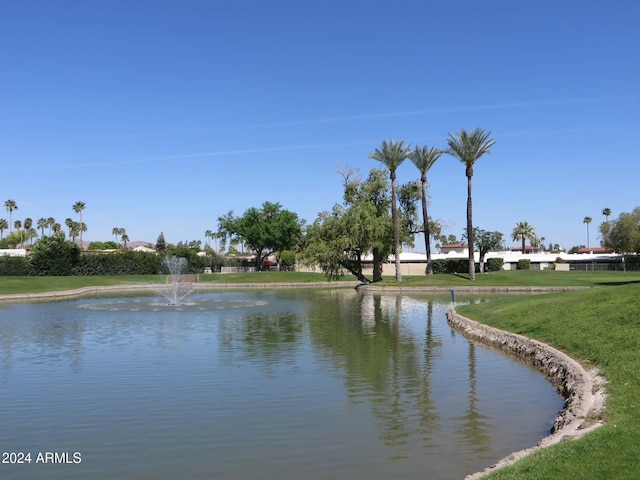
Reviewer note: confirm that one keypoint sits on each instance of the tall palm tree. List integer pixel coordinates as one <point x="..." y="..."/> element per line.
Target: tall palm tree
<point x="10" y="205"/>
<point x="69" y="223"/>
<point x="50" y="223"/>
<point x="392" y="154"/>
<point x="125" y="239"/>
<point x="424" y="158"/>
<point x="41" y="224"/>
<point x="523" y="231"/>
<point x="28" y="229"/>
<point x="18" y="226"/>
<point x="587" y="220"/>
<point x="3" y="226"/>
<point x="469" y="147"/>
<point x="607" y="213"/>
<point x="78" y="207"/>
<point x="116" y="232"/>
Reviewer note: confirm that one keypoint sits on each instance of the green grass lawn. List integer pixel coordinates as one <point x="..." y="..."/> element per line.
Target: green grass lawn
<point x="601" y="328"/>
<point x="55" y="284"/>
<point x="504" y="278"/>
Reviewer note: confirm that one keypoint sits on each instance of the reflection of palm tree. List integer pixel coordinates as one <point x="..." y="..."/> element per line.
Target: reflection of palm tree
<point x="474" y="427"/>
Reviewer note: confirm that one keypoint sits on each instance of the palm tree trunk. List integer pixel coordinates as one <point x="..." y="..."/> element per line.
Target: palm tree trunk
<point x="425" y="220"/>
<point x="472" y="263"/>
<point x="396" y="233"/>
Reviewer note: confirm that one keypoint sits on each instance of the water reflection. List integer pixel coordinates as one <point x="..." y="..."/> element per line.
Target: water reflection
<point x="283" y="384"/>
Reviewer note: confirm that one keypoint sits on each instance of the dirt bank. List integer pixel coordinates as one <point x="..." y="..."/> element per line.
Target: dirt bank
<point x="583" y="390"/>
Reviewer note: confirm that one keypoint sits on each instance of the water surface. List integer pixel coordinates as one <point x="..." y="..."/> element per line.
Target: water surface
<point x="259" y="385"/>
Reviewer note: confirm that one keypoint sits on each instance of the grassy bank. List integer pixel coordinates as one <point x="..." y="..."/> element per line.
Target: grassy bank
<point x="513" y="278"/>
<point x="600" y="327"/>
<point x="9" y="285"/>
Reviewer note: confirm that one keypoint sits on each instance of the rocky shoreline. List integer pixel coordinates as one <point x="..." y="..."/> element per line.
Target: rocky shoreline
<point x="582" y="389"/>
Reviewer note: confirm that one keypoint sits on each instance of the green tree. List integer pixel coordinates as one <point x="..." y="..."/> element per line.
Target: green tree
<point x="161" y="244"/>
<point x="78" y="207"/>
<point x="10" y="206"/>
<point x="587" y="220"/>
<point x="523" y="231"/>
<point x="3" y="226"/>
<point x="625" y="232"/>
<point x="486" y="241"/>
<point x="340" y="240"/>
<point x="52" y="255"/>
<point x="125" y="239"/>
<point x="265" y="230"/>
<point x="392" y="154"/>
<point x="14" y="239"/>
<point x="116" y="232"/>
<point x="424" y="158"/>
<point x="50" y="223"/>
<point x="468" y="147"/>
<point x="607" y="213"/>
<point x="41" y="224"/>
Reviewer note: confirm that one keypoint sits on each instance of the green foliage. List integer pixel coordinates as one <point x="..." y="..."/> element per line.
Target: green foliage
<point x="119" y="263"/>
<point x="161" y="244"/>
<point x="450" y="265"/>
<point x="494" y="264"/>
<point x="524" y="264"/>
<point x="12" y="266"/>
<point x="339" y="240"/>
<point x="266" y="230"/>
<point x="53" y="255"/>
<point x="287" y="258"/>
<point x="624" y="235"/>
<point x="110" y="245"/>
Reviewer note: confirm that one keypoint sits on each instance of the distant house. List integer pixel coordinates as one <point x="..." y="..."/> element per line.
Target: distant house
<point x="460" y="248"/>
<point x="528" y="249"/>
<point x="142" y="248"/>
<point x="595" y="250"/>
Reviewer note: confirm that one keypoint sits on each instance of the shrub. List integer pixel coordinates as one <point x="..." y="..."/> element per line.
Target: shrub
<point x="53" y="255"/>
<point x="494" y="264"/>
<point x="14" y="266"/>
<point x="524" y="264"/>
<point x="451" y="265"/>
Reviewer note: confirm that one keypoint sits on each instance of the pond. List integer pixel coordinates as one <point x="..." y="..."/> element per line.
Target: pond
<point x="269" y="384"/>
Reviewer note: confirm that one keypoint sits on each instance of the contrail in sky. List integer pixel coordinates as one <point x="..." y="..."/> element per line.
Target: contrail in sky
<point x="245" y="151"/>
<point x="407" y="113"/>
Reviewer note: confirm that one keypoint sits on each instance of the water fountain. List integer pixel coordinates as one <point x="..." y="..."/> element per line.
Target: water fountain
<point x="176" y="290"/>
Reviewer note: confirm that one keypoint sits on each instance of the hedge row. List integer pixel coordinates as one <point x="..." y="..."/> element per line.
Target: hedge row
<point x="461" y="265"/>
<point x="53" y="256"/>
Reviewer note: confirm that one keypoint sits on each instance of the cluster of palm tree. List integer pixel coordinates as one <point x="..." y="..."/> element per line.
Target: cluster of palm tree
<point x="122" y="233"/>
<point x="467" y="147"/>
<point x="26" y="231"/>
<point x="604" y="228"/>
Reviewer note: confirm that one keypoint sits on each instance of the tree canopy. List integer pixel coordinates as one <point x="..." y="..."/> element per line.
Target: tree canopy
<point x="264" y="230"/>
<point x="342" y="239"/>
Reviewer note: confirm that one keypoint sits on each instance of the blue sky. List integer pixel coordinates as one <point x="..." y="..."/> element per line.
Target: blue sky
<point x="163" y="115"/>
